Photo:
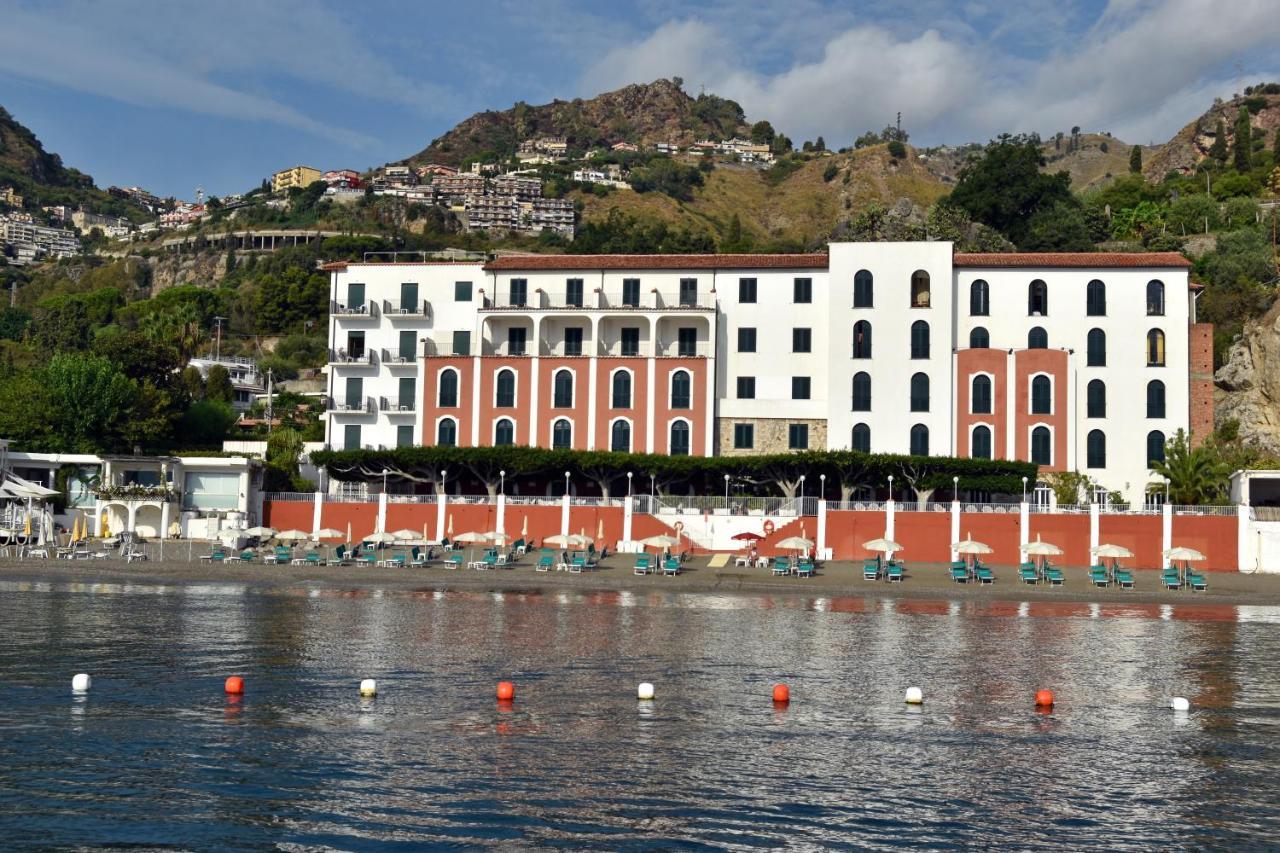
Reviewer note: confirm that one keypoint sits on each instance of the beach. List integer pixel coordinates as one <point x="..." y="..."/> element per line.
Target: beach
<point x="837" y="578"/>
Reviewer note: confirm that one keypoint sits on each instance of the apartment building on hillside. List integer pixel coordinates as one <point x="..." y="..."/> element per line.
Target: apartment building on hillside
<point x="1083" y="362"/>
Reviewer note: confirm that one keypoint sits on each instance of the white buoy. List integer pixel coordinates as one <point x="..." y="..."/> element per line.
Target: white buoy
<point x="81" y="683"/>
<point x="644" y="691"/>
<point x="368" y="687"/>
<point x="1179" y="703"/>
<point x="914" y="696"/>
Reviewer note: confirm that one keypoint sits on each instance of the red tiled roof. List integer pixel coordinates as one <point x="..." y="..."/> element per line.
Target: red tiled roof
<point x="342" y="265"/>
<point x="1078" y="260"/>
<point x="657" y="262"/>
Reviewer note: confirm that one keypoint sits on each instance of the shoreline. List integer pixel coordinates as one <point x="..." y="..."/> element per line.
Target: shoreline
<point x="837" y="579"/>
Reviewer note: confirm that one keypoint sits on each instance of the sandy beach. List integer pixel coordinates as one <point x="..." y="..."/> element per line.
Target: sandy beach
<point x="923" y="581"/>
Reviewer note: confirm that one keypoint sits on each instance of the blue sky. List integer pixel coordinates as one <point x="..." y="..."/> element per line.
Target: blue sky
<point x="171" y="95"/>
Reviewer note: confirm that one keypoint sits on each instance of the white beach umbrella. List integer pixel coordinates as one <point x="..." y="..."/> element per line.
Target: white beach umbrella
<point x="1183" y="553"/>
<point x="882" y="545"/>
<point x="971" y="546"/>
<point x="660" y="541"/>
<point x="1117" y="552"/>
<point x="261" y="532"/>
<point x="795" y="543"/>
<point x="380" y="538"/>
<point x="1043" y="549"/>
<point x="497" y="536"/>
<point x="327" y="533"/>
<point x="561" y="539"/>
<point x="292" y="535"/>
<point x="405" y="535"/>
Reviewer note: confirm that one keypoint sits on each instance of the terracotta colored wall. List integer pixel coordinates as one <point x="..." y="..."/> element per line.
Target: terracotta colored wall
<point x="431" y="411"/>
<point x="1215" y="536"/>
<point x="997" y="530"/>
<point x="519" y="415"/>
<point x="288" y="515"/>
<point x="663" y="413"/>
<point x="362" y="518"/>
<point x="638" y="413"/>
<point x="925" y="536"/>
<point x="846" y="531"/>
<point x="548" y="415"/>
<point x="1026" y="364"/>
<point x="970" y="362"/>
<point x="1141" y="534"/>
<point x="1200" y="351"/>
<point x="1068" y="532"/>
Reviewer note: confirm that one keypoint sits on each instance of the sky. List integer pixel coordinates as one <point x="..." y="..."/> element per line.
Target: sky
<point x="174" y="95"/>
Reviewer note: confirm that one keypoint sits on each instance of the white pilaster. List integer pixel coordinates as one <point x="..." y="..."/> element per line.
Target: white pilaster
<point x="475" y="397"/>
<point x="502" y="514"/>
<point x="628" y="506"/>
<point x="1094" y="529"/>
<point x="955" y="528"/>
<point x="591" y="398"/>
<point x="564" y="515"/>
<point x="1024" y="530"/>
<point x="1245" y="559"/>
<point x="442" y="501"/>
<point x="1166" y="531"/>
<point x="317" y="509"/>
<point x="381" y="526"/>
<point x="821" y="536"/>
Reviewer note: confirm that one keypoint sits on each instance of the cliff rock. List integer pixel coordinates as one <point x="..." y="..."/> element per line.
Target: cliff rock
<point x="1248" y="385"/>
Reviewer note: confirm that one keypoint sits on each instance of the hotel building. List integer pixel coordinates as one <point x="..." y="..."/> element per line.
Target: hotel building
<point x="1079" y="362"/>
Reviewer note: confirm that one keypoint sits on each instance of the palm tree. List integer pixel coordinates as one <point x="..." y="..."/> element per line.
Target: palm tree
<point x="1195" y="475"/>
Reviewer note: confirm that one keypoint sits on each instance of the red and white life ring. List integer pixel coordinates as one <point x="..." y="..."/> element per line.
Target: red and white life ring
<point x="679" y="526"/>
<point x="768" y="527"/>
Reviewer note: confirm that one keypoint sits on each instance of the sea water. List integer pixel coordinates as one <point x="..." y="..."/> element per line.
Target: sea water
<point x="157" y="754"/>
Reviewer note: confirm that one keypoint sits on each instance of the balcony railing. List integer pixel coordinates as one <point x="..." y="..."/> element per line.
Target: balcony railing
<point x="395" y="358"/>
<point x="417" y="308"/>
<point x="365" y="358"/>
<point x="599" y="300"/>
<point x="353" y="405"/>
<point x="398" y="405"/>
<point x="444" y="348"/>
<point x="367" y="310"/>
<point x="702" y="349"/>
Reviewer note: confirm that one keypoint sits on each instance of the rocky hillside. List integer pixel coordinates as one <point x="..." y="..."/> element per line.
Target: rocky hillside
<point x="642" y="114"/>
<point x="1248" y="385"/>
<point x="1191" y="145"/>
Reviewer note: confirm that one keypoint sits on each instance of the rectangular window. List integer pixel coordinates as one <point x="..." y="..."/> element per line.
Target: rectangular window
<point x="462" y="343"/>
<point x="209" y="491"/>
<point x="351" y="437"/>
<point x="409" y="297"/>
<point x="688" y="292"/>
<point x="355" y="345"/>
<point x="573" y="292"/>
<point x="631" y="292"/>
<point x="405" y="392"/>
<point x="746" y="387"/>
<point x="407" y="349"/>
<point x="516" y="340"/>
<point x="573" y="341"/>
<point x="798" y="436"/>
<point x="802" y="340"/>
<point x="746" y="340"/>
<point x="687" y="342"/>
<point x="799" y="387"/>
<point x="630" y="341"/>
<point x="462" y="291"/>
<point x="519" y="292"/>
<point x="746" y="290"/>
<point x="803" y="289"/>
<point x="355" y="297"/>
<point x="404" y="435"/>
<point x="744" y="436"/>
<point x="355" y="393"/>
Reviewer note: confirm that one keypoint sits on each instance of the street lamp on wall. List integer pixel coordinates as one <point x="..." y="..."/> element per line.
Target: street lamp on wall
<point x="629" y="484"/>
<point x="726" y="490"/>
<point x="890" y="487"/>
<point x="566" y="482"/>
<point x="955" y="488"/>
<point x="1024" y="489"/>
<point x="822" y="486"/>
<point x="502" y="482"/>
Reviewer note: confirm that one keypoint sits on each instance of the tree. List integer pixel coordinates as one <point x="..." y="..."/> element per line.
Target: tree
<point x="1060" y="228"/>
<point x="1004" y="188"/>
<point x="1218" y="150"/>
<point x="1135" y="159"/>
<point x="1243" y="142"/>
<point x="1196" y="475"/>
<point x="897" y="150"/>
<point x="762" y="133"/>
<point x="206" y="422"/>
<point x="820" y="144"/>
<point x="217" y="385"/>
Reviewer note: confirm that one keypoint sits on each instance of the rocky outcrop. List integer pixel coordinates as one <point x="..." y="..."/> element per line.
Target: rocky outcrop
<point x="1247" y="387"/>
<point x="202" y="268"/>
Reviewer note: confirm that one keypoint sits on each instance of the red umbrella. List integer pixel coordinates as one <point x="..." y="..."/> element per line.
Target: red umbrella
<point x="748" y="536"/>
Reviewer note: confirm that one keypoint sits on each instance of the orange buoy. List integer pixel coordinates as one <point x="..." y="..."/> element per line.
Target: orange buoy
<point x="235" y="685"/>
<point x="781" y="693"/>
<point x="506" y="691"/>
<point x="1044" y="699"/>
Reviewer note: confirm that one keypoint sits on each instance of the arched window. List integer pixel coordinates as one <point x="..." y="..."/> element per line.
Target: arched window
<point x="505" y="390"/>
<point x="561" y="434"/>
<point x="1096" y="449"/>
<point x="919" y="339"/>
<point x="862" y="392"/>
<point x="1096" y="350"/>
<point x="862" y="339"/>
<point x="1041" y="446"/>
<point x="1096" y="394"/>
<point x="919" y="289"/>
<point x="562" y="390"/>
<point x="1038" y="299"/>
<point x="622" y="389"/>
<point x="919" y="440"/>
<point x="620" y="437"/>
<point x="448" y="391"/>
<point x="981" y="443"/>
<point x="980" y="396"/>
<point x="1155" y="298"/>
<point x="861" y="438"/>
<point x="1155" y="447"/>
<point x="1155" y="399"/>
<point x="1037" y="338"/>
<point x="1041" y="395"/>
<point x="681" y="390"/>
<point x="979" y="299"/>
<point x="920" y="392"/>
<point x="504" y="433"/>
<point x="1095" y="299"/>
<point x="863" y="289"/>
<point x="979" y="339"/>
<point x="679" y="439"/>
<point x="1155" y="348"/>
<point x="447" y="432"/>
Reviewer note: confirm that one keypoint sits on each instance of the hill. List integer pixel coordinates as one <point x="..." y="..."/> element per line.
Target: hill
<point x="42" y="179"/>
<point x="1192" y="145"/>
<point x="642" y="114"/>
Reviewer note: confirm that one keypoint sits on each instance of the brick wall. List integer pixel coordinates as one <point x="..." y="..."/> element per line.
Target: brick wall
<point x="1200" y="352"/>
<point x="771" y="435"/>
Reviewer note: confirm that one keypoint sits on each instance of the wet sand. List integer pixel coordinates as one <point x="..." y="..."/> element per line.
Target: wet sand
<point x="923" y="581"/>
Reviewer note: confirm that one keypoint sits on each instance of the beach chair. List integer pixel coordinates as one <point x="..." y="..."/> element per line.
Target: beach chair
<point x="490" y="560"/>
<point x="417" y="557"/>
<point x="369" y="559"/>
<point x="247" y="555"/>
<point x="985" y="575"/>
<point x="804" y="570"/>
<point x="341" y="557"/>
<point x="1029" y="573"/>
<point x="671" y="566"/>
<point x="871" y="570"/>
<point x="1124" y="578"/>
<point x="895" y="572"/>
<point x="518" y="547"/>
<point x="1170" y="579"/>
<point x="959" y="573"/>
<point x="576" y="565"/>
<point x="1054" y="576"/>
<point x="545" y="562"/>
<point x="1197" y="581"/>
<point x="1098" y="576"/>
<point x="453" y="561"/>
<point x="781" y="566"/>
<point x="313" y="559"/>
<point x="642" y="565"/>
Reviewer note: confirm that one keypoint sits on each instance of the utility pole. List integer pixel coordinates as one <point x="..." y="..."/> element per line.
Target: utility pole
<point x="217" y="346"/>
<point x="270" y="407"/>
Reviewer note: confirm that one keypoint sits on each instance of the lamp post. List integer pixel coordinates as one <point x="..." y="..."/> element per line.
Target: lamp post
<point x="1024" y="489"/>
<point x="822" y="486"/>
<point x="443" y="484"/>
<point x="566" y="483"/>
<point x="726" y="490"/>
<point x="629" y="484"/>
<point x="890" y="487"/>
<point x="955" y="488"/>
<point x="385" y="472"/>
<point x="802" y="487"/>
<point x="652" y="490"/>
<point x="502" y="482"/>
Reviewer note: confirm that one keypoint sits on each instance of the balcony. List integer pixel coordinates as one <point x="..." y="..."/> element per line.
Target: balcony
<point x="446" y="348"/>
<point x="395" y="358"/>
<point x="599" y="300"/>
<point x="398" y="405"/>
<point x="365" y="311"/>
<point x="365" y="358"/>
<point x="673" y="349"/>
<point x="352" y="405"/>
<point x="396" y="310"/>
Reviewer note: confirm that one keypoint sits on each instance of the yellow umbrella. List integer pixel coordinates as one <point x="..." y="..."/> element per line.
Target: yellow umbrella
<point x="106" y="529"/>
<point x="26" y="525"/>
<point x="75" y="528"/>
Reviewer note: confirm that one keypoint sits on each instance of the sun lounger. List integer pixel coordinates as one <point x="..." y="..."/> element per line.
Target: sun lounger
<point x="804" y="570"/>
<point x="642" y="565"/>
<point x="1098" y="576"/>
<point x="871" y="570"/>
<point x="1054" y="577"/>
<point x="1124" y="577"/>
<point x="895" y="572"/>
<point x="781" y="567"/>
<point x="545" y="562"/>
<point x="1170" y="579"/>
<point x="959" y="574"/>
<point x="671" y="566"/>
<point x="1028" y="573"/>
<point x="985" y="575"/>
<point x="1197" y="581"/>
<point x="453" y="561"/>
